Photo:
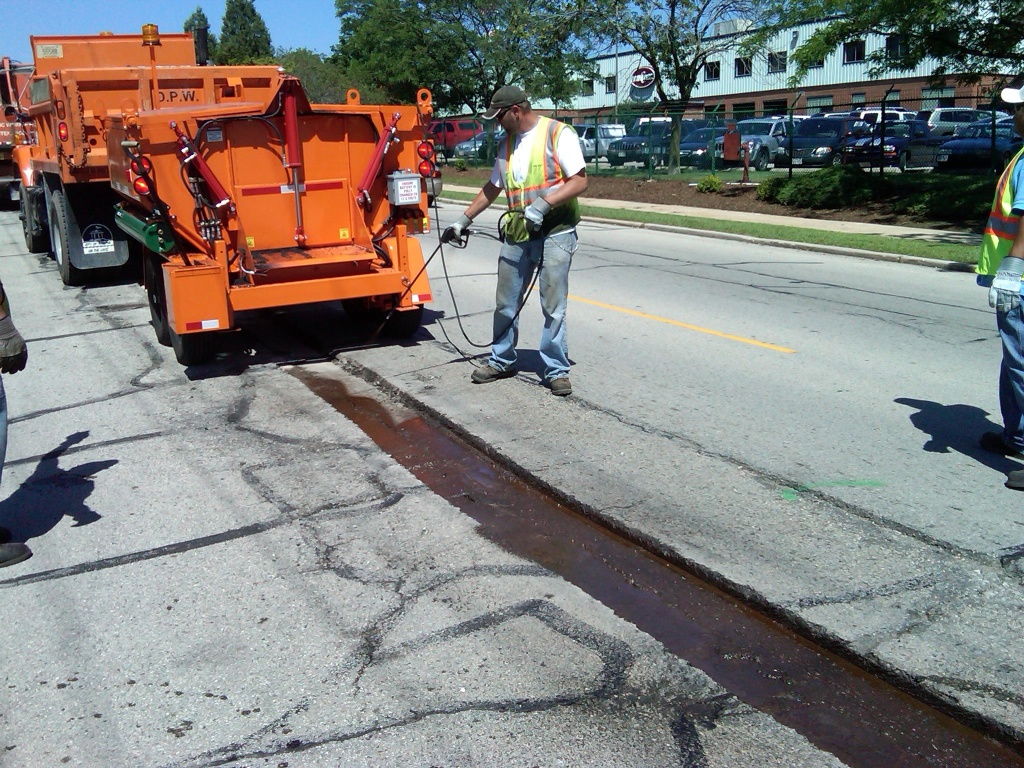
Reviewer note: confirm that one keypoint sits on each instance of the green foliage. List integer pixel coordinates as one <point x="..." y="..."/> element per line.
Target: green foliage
<point x="394" y="48"/>
<point x="969" y="38"/>
<point x="459" y="164"/>
<point x="710" y="184"/>
<point x="323" y="80"/>
<point x="768" y="190"/>
<point x="464" y="50"/>
<point x="836" y="187"/>
<point x="195" y="21"/>
<point x="244" y="37"/>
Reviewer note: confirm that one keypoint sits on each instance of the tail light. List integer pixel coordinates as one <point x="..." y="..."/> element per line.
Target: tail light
<point x="142" y="166"/>
<point x="141" y="186"/>
<point x="427" y="168"/>
<point x="425" y="150"/>
<point x="62" y="131"/>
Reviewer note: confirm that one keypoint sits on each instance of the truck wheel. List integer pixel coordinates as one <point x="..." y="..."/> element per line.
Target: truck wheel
<point x="153" y="277"/>
<point x="192" y="348"/>
<point x="761" y="161"/>
<point x="59" y="216"/>
<point x="837" y="160"/>
<point x="903" y="162"/>
<point x="403" y="325"/>
<point x="37" y="239"/>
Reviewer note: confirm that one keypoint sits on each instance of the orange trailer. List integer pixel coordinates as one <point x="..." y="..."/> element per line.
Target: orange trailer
<point x="245" y="196"/>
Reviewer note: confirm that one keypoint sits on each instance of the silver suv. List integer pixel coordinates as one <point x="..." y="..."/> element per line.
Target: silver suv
<point x="594" y="139"/>
<point x="944" y="120"/>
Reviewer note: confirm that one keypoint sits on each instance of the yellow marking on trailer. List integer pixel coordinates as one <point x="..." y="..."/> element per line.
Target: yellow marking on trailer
<point x="343" y="234"/>
<point x="679" y="324"/>
<point x="251" y="242"/>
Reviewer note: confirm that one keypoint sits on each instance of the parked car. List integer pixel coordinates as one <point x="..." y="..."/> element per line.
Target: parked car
<point x="595" y="139"/>
<point x="651" y="144"/>
<point x="470" y="147"/>
<point x="446" y="134"/>
<point x="694" y="147"/>
<point x="763" y="138"/>
<point x="818" y="141"/>
<point x="892" y="114"/>
<point x="972" y="149"/>
<point x="944" y="120"/>
<point x="900" y="144"/>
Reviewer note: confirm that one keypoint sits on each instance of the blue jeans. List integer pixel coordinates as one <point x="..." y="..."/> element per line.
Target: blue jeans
<point x="516" y="265"/>
<point x="1011" y="375"/>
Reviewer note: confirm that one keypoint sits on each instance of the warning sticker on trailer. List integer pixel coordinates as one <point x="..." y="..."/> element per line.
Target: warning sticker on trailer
<point x="97" y="239"/>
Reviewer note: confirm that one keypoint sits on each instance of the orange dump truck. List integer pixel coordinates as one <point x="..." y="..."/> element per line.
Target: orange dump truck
<point x="235" y="191"/>
<point x="16" y="128"/>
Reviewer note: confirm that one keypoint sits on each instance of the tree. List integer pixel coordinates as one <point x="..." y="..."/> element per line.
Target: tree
<point x="197" y="20"/>
<point x="322" y="79"/>
<point x="464" y="50"/>
<point x="676" y="38"/>
<point x="244" y="37"/>
<point x="969" y="39"/>
<point x="392" y="48"/>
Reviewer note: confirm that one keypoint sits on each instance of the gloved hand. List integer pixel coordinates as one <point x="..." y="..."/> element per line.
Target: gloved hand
<point x="534" y="214"/>
<point x="1004" y="294"/>
<point x="13" y="352"/>
<point x="456" y="230"/>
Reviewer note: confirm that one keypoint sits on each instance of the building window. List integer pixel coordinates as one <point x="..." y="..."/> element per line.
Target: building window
<point x="819" y="103"/>
<point x="743" y="66"/>
<point x="774" y="107"/>
<point x="817" y="64"/>
<point x="611" y="84"/>
<point x="743" y="111"/>
<point x="718" y="110"/>
<point x="588" y="88"/>
<point x="895" y="47"/>
<point x="776" y="62"/>
<point x="712" y="70"/>
<point x="853" y="52"/>
<point x="857" y="99"/>
<point x="892" y="99"/>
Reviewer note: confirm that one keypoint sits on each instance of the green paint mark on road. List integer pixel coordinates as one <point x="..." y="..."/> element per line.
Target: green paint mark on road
<point x="789" y="494"/>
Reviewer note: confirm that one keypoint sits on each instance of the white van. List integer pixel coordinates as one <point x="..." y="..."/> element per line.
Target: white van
<point x="594" y="139"/>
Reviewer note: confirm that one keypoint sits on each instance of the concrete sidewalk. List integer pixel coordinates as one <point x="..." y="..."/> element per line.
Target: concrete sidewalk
<point x="829" y="225"/>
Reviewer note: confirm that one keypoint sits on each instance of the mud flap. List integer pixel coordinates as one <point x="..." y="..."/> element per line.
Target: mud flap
<point x="93" y="240"/>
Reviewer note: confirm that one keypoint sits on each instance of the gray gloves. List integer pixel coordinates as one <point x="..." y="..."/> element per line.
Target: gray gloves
<point x="456" y="230"/>
<point x="13" y="352"/>
<point x="1004" y="294"/>
<point x="534" y="215"/>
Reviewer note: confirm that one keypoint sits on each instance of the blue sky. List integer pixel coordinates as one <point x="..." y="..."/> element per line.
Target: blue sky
<point x="292" y="23"/>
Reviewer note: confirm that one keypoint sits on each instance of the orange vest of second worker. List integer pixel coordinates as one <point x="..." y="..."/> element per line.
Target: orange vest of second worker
<point x="1002" y="225"/>
<point x="543" y="173"/>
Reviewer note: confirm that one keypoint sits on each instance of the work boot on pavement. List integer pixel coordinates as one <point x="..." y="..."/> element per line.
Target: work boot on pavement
<point x="561" y="386"/>
<point x="13" y="553"/>
<point x="488" y="373"/>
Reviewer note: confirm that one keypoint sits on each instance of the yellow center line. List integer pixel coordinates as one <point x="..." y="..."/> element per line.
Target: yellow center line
<point x="669" y="321"/>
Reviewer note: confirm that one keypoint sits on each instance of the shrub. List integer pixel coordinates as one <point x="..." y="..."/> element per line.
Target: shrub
<point x="709" y="184"/>
<point x="460" y="164"/>
<point x="769" y="189"/>
<point x="843" y="186"/>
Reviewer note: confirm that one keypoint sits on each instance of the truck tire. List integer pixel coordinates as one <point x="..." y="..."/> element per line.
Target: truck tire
<point x="59" y="216"/>
<point x="403" y="325"/>
<point x="761" y="161"/>
<point x="192" y="348"/>
<point x="37" y="239"/>
<point x="153" y="278"/>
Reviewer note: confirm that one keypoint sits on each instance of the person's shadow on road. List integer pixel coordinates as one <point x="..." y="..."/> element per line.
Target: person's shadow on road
<point x="957" y="428"/>
<point x="50" y="493"/>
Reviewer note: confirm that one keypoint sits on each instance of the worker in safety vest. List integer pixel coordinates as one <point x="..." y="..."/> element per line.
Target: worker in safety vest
<point x="541" y="168"/>
<point x="1000" y="267"/>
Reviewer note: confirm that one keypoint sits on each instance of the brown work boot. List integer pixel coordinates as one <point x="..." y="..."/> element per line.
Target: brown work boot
<point x="488" y="373"/>
<point x="561" y="386"/>
<point x="13" y="553"/>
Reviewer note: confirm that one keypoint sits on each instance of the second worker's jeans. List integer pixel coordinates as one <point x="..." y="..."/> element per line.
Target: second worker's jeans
<point x="516" y="265"/>
<point x="1011" y="375"/>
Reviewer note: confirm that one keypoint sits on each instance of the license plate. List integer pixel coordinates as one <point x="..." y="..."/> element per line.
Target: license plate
<point x="621" y="154"/>
<point x="798" y="161"/>
<point x="942" y="157"/>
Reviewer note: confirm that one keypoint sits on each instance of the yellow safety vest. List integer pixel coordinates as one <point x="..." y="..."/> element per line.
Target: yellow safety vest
<point x="544" y="173"/>
<point x="1002" y="225"/>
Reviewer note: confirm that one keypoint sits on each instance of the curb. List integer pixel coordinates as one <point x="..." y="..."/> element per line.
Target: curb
<point x="946" y="266"/>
